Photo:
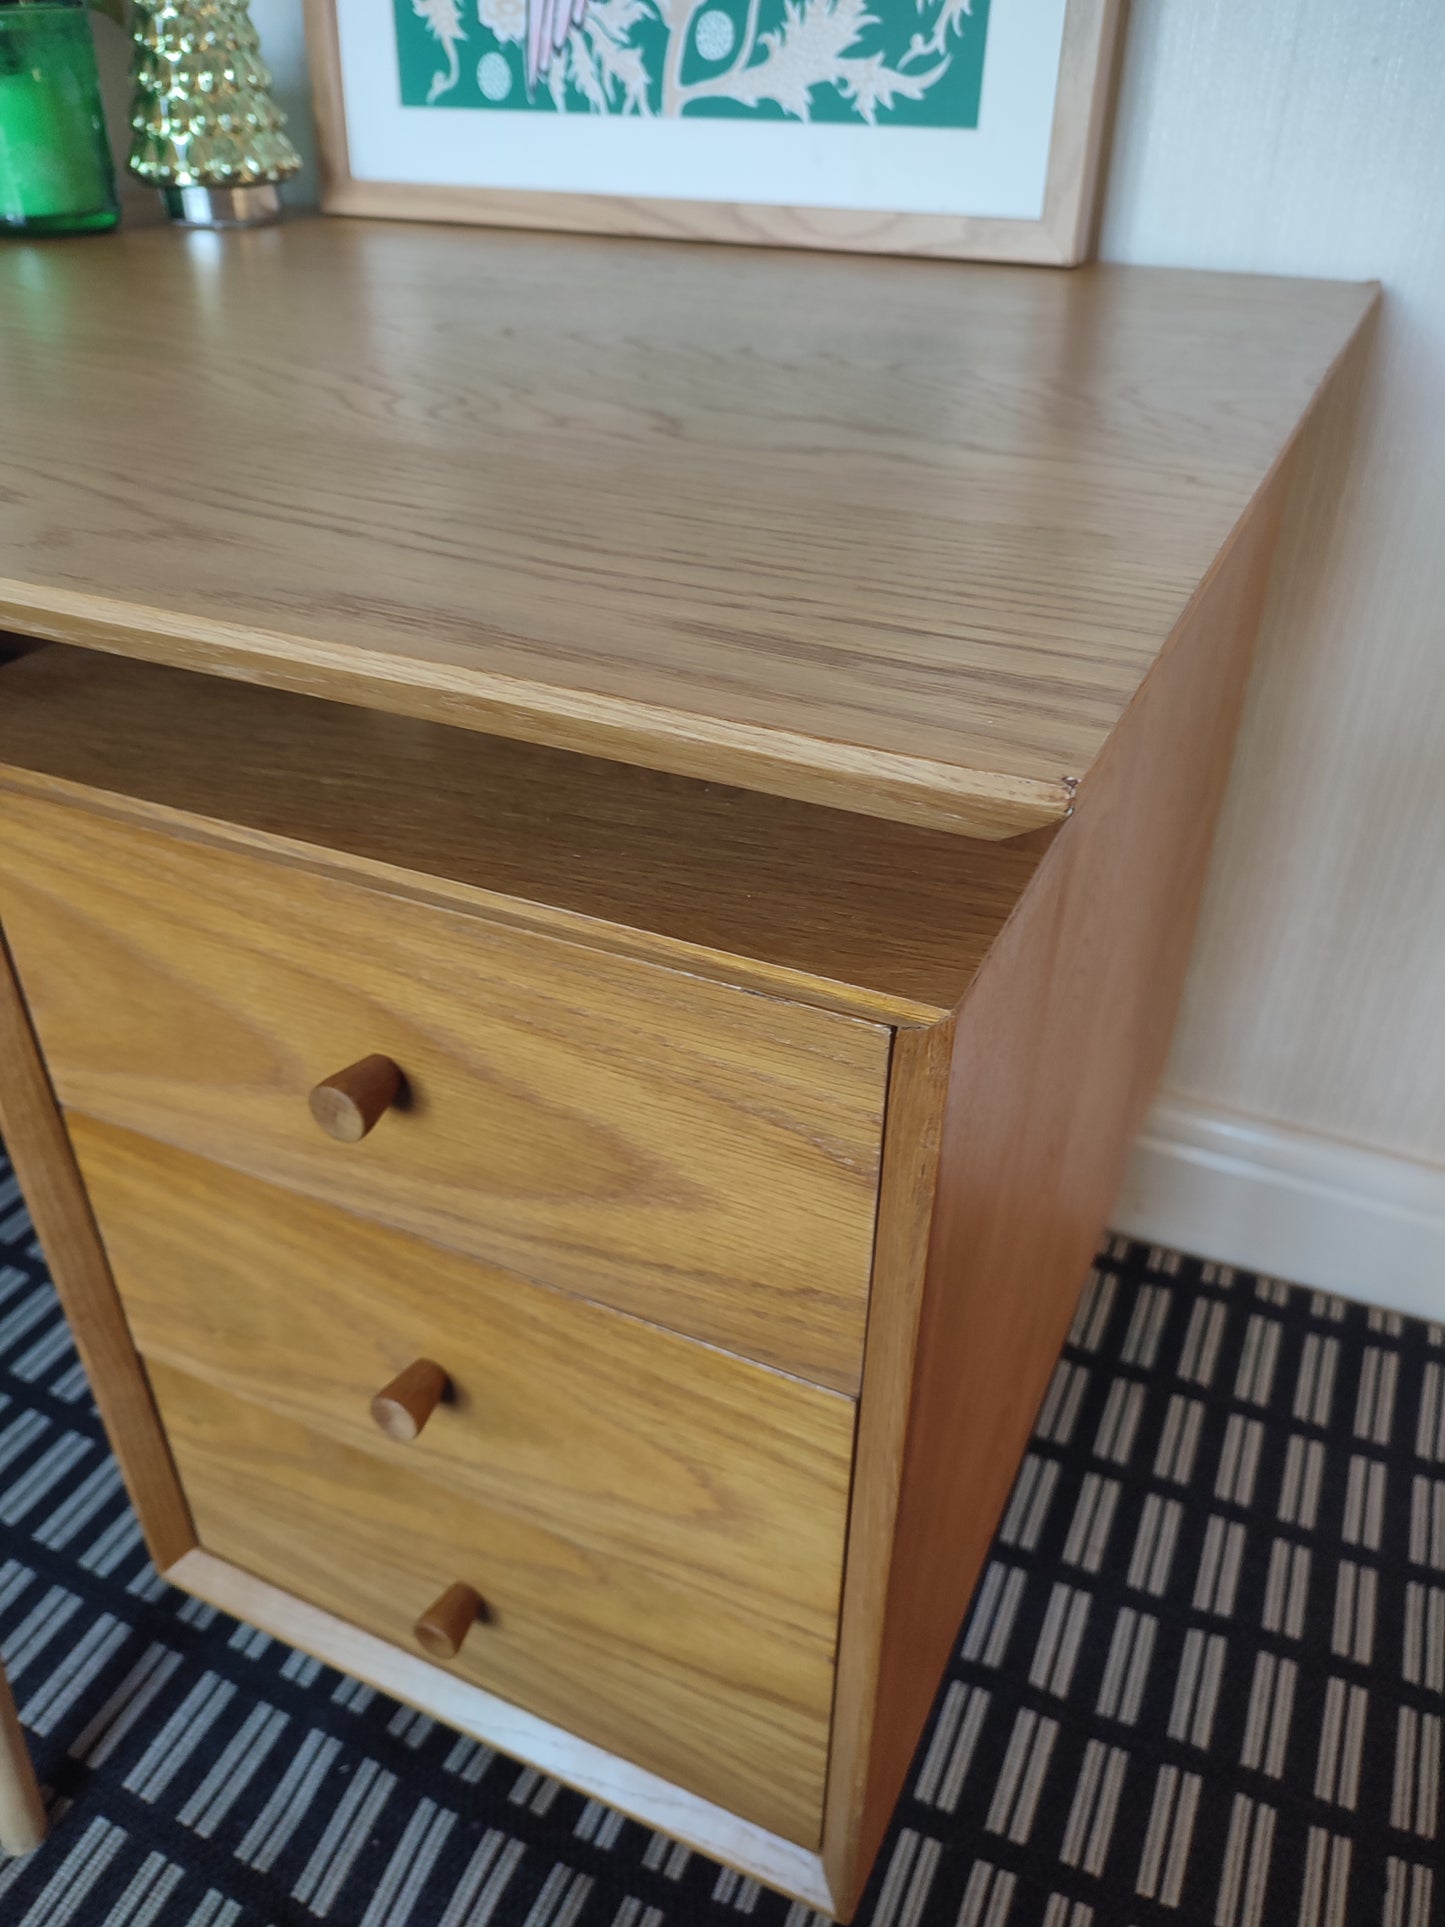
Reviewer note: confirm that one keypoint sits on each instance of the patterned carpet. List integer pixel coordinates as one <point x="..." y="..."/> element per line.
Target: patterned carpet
<point x="1200" y="1683"/>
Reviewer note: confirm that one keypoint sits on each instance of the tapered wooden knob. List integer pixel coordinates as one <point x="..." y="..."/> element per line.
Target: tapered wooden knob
<point x="348" y="1105"/>
<point x="447" y="1621"/>
<point x="402" y="1408"/>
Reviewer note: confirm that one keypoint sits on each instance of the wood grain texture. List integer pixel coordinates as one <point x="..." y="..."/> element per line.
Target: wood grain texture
<point x="36" y="1140"/>
<point x="1057" y="1049"/>
<point x="704" y="1687"/>
<point x="704" y="1158"/>
<point x="753" y="225"/>
<point x="498" y="1723"/>
<point x="878" y="919"/>
<point x="1058" y="237"/>
<point x="628" y="1440"/>
<point x="1088" y="74"/>
<point x="912" y="1141"/>
<point x="896" y="535"/>
<point x="22" y="1812"/>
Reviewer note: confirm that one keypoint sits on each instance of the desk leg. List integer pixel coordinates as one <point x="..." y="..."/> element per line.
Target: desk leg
<point x="22" y="1817"/>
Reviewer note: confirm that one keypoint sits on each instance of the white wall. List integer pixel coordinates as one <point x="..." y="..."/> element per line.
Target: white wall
<point x="1308" y="137"/>
<point x="1300" y="137"/>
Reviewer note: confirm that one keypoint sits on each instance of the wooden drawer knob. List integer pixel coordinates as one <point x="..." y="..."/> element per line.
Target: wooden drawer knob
<point x="347" y="1105"/>
<point x="402" y="1408"/>
<point x="447" y="1621"/>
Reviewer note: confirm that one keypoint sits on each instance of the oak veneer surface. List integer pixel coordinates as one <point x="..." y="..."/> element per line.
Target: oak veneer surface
<point x="885" y="919"/>
<point x="40" y="1149"/>
<point x="692" y="1153"/>
<point x="901" y="535"/>
<point x="1054" y="1057"/>
<point x="22" y="1811"/>
<point x="595" y="1771"/>
<point x="628" y="1439"/>
<point x="693" y="1682"/>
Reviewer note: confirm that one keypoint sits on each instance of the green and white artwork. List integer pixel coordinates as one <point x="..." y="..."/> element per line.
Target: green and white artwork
<point x="904" y="63"/>
<point x="661" y="111"/>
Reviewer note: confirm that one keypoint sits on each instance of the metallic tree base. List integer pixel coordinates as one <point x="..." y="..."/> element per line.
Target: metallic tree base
<point x="250" y="206"/>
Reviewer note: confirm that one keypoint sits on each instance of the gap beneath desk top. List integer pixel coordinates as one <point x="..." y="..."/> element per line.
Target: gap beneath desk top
<point x="878" y="920"/>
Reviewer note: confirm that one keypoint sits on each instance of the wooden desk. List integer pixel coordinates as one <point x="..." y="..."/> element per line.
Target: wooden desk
<point x="22" y="1814"/>
<point x="709" y="759"/>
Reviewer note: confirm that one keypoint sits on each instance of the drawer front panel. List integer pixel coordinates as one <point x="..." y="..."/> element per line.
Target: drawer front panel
<point x="627" y="1439"/>
<point x="698" y="1155"/>
<point x="687" y="1683"/>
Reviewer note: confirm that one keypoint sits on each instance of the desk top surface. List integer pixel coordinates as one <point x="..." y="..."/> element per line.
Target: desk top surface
<point x="899" y="536"/>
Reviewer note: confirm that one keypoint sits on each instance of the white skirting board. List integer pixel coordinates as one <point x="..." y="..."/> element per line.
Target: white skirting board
<point x="1311" y="1210"/>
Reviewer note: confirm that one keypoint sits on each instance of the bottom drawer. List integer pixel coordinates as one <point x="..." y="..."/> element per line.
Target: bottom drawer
<point x="681" y="1679"/>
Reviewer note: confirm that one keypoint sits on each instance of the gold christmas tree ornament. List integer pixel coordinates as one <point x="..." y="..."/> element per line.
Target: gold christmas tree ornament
<point x="204" y="128"/>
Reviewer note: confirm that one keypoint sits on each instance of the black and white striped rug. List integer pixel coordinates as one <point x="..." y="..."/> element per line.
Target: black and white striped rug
<point x="1201" y="1682"/>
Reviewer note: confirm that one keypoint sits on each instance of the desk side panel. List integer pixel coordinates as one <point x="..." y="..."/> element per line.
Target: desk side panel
<point x="1055" y="1055"/>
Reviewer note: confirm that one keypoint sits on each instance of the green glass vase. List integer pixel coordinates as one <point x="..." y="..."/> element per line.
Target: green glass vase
<point x="55" y="168"/>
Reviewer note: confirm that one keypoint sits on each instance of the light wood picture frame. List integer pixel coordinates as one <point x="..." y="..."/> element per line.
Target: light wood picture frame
<point x="1025" y="194"/>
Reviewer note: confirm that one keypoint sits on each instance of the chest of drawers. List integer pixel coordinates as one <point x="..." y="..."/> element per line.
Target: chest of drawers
<point x="586" y="930"/>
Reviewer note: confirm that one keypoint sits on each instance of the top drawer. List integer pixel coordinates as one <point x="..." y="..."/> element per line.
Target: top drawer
<point x="701" y="1156"/>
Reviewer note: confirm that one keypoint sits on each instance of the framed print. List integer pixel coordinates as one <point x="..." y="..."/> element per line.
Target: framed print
<point x="963" y="128"/>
